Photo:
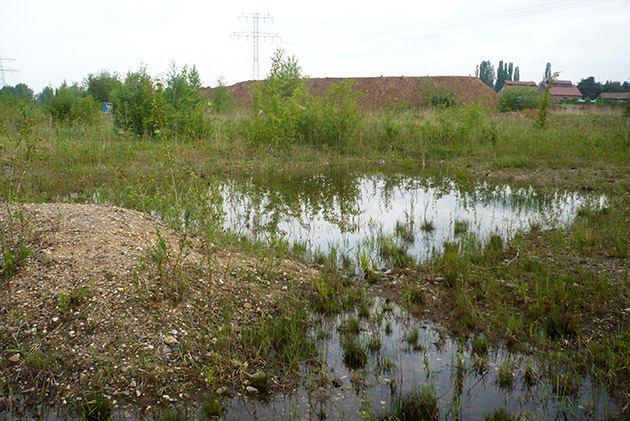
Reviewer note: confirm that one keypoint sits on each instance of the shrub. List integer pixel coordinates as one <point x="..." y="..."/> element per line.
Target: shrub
<point x="287" y="114"/>
<point x="332" y="118"/>
<point x="517" y="99"/>
<point x="185" y="113"/>
<point x="71" y="104"/>
<point x="139" y="105"/>
<point x="222" y="101"/>
<point x="437" y="95"/>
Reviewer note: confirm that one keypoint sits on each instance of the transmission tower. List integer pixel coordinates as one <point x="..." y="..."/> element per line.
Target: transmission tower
<point x="4" y="70"/>
<point x="255" y="35"/>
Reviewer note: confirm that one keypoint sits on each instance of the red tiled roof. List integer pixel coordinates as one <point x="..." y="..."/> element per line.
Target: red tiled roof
<point x="519" y="83"/>
<point x="564" y="89"/>
<point x="615" y="95"/>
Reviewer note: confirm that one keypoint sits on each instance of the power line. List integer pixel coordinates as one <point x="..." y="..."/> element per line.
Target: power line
<point x="255" y="35"/>
<point x="557" y="10"/>
<point x="4" y="70"/>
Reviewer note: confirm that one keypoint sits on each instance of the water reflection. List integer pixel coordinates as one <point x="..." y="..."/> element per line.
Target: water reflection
<point x="351" y="214"/>
<point x="414" y="354"/>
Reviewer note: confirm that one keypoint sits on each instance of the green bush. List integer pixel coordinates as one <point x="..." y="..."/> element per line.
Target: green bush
<point x="517" y="99"/>
<point x="185" y="108"/>
<point x="71" y="104"/>
<point x="288" y="114"/>
<point x="222" y="101"/>
<point x="139" y="105"/>
<point x="437" y="95"/>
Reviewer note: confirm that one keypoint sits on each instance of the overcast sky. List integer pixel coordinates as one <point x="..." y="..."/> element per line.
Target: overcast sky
<point x="52" y="41"/>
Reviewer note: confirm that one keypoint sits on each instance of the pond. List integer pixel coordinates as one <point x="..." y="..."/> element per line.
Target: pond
<point x="349" y="219"/>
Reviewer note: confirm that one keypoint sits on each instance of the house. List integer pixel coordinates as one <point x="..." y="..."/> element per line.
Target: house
<point x="517" y="84"/>
<point x="563" y="89"/>
<point x="615" y="96"/>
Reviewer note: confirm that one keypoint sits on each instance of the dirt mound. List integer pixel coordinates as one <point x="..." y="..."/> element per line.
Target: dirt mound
<point x="112" y="300"/>
<point x="381" y="92"/>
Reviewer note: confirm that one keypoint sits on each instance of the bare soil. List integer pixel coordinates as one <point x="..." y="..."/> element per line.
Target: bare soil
<point x="381" y="92"/>
<point x="89" y="311"/>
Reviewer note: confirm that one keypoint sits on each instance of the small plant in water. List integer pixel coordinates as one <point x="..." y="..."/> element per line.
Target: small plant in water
<point x="460" y="227"/>
<point x="505" y="377"/>
<point x="354" y="355"/>
<point x="415" y="405"/>
<point x="501" y="414"/>
<point x="212" y="407"/>
<point x="427" y="226"/>
<point x="95" y="407"/>
<point x="561" y="325"/>
<point x="479" y="346"/>
<point x="412" y="339"/>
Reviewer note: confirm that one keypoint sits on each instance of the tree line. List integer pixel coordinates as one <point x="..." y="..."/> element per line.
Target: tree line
<point x="143" y="105"/>
<point x="589" y="87"/>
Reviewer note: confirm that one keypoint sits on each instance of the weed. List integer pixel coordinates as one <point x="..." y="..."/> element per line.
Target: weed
<point x="404" y="231"/>
<point x="171" y="413"/>
<point x="213" y="406"/>
<point x="501" y="414"/>
<point x="480" y="346"/>
<point x="412" y="339"/>
<point x="374" y="344"/>
<point x="14" y="234"/>
<point x="350" y="327"/>
<point x="561" y="325"/>
<point x="74" y="298"/>
<point x="460" y="227"/>
<point x="354" y="354"/>
<point x="95" y="407"/>
<point x="412" y="294"/>
<point x="427" y="226"/>
<point x="505" y="376"/>
<point x="415" y="405"/>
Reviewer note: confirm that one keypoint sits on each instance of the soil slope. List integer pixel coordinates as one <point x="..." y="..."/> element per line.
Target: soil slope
<point x="382" y="92"/>
<point x="95" y="307"/>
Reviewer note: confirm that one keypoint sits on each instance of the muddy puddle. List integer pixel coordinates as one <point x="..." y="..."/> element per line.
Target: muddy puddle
<point x="399" y="355"/>
<point x="343" y="218"/>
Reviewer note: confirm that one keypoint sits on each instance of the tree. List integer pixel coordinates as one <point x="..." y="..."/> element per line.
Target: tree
<point x="45" y="96"/>
<point x="485" y="72"/>
<point x="501" y="76"/>
<point x="20" y="92"/>
<point x="547" y="75"/>
<point x="610" y="86"/>
<point x="517" y="74"/>
<point x="185" y="113"/>
<point x="71" y="104"/>
<point x="222" y="101"/>
<point x="139" y="104"/>
<point x="590" y="88"/>
<point x="101" y="86"/>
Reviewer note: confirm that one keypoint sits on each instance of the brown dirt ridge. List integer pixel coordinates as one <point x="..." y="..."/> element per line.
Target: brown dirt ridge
<point x="387" y="91"/>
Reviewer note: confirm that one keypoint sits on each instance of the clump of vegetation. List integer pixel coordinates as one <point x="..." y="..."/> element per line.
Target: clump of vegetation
<point x="95" y="407"/>
<point x="517" y="99"/>
<point x="288" y="114"/>
<point x="14" y="234"/>
<point x="415" y="405"/>
<point x="501" y="414"/>
<point x="437" y="95"/>
<point x="354" y="353"/>
<point x="71" y="104"/>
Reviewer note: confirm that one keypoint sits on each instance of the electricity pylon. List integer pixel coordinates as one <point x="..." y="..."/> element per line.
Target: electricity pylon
<point x="4" y="70"/>
<point x="255" y="35"/>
